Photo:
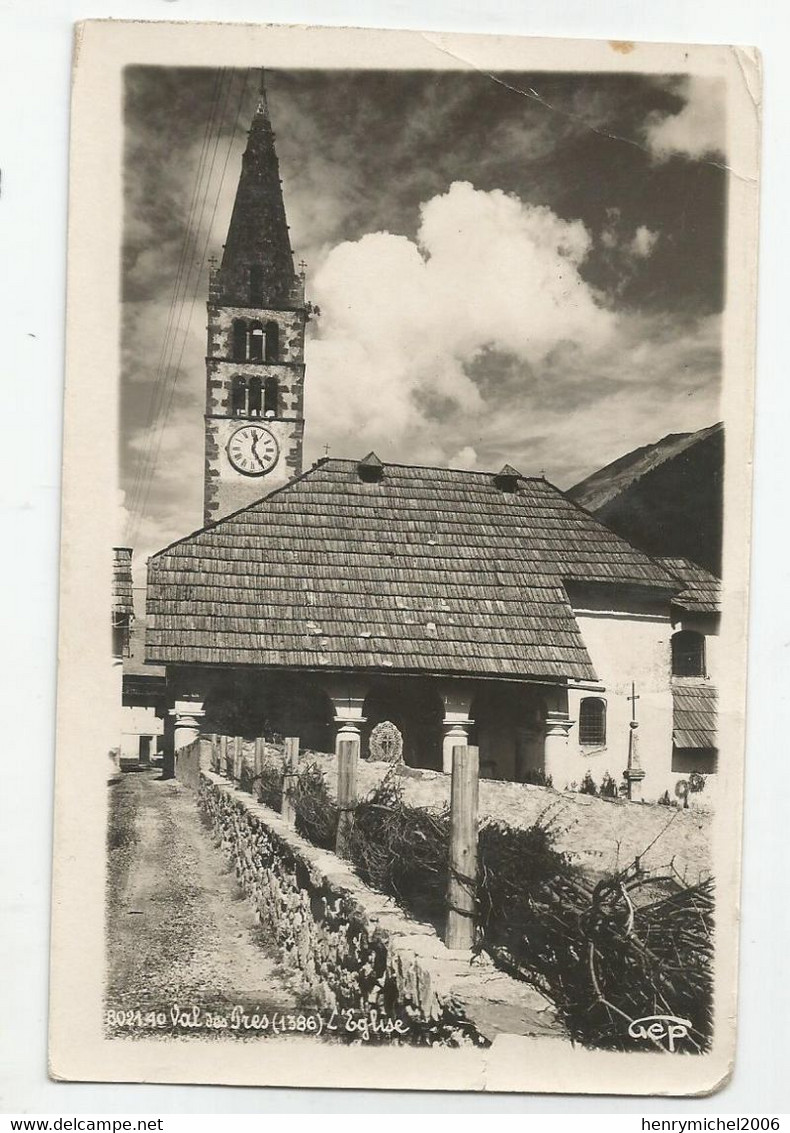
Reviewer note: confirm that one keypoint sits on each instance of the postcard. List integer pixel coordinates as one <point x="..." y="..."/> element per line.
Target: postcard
<point x="406" y="511"/>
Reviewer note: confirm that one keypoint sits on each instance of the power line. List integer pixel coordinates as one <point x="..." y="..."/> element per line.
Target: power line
<point x="167" y="389"/>
<point x="176" y="304"/>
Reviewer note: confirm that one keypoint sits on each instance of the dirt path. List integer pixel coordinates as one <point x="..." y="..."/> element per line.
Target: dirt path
<point x="181" y="937"/>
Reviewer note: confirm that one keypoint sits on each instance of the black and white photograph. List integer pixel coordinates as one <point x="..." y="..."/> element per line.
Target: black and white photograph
<point x="418" y="572"/>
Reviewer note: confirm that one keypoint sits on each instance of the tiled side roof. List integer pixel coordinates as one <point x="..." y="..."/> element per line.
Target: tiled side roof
<point x="701" y="593"/>
<point x="424" y="569"/>
<point x="694" y="723"/>
<point x="122" y="597"/>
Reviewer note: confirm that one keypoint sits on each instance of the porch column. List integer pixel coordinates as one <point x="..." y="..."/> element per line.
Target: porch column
<point x="348" y="700"/>
<point x="558" y="726"/>
<point x="349" y="721"/>
<point x="186" y="714"/>
<point x="456" y="723"/>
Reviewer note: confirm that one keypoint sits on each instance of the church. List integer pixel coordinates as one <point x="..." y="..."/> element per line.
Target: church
<point x="457" y="607"/>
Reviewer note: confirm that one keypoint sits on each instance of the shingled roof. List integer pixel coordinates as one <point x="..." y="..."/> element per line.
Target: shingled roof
<point x="419" y="569"/>
<point x="701" y="593"/>
<point x="694" y="724"/>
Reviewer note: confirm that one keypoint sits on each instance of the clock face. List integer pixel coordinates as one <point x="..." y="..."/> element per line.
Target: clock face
<point x="253" y="451"/>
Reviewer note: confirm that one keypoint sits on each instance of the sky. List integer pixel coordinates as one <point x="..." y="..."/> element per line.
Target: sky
<point x="510" y="268"/>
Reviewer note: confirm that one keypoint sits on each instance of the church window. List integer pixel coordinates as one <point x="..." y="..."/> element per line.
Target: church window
<point x="688" y="654"/>
<point x="592" y="722"/>
<point x="256" y="286"/>
<point x="238" y="396"/>
<point x="272" y="342"/>
<point x="271" y="397"/>
<point x="256" y="394"/>
<point x="256" y="342"/>
<point x="239" y="340"/>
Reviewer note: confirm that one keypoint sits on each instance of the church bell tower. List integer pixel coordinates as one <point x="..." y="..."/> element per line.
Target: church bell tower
<point x="256" y="327"/>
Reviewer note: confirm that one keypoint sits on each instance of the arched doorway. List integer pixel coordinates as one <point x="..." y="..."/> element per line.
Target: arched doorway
<point x="298" y="707"/>
<point x="271" y="705"/>
<point x="509" y="730"/>
<point x="415" y="708"/>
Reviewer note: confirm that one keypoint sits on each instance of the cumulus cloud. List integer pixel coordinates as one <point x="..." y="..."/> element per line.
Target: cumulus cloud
<point x="481" y="342"/>
<point x="464" y="458"/>
<point x="643" y="243"/>
<point x="697" y="130"/>
<point x="620" y="245"/>
<point x="403" y="322"/>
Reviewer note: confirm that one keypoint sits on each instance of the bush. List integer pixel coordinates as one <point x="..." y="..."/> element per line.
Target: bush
<point x="270" y="785"/>
<point x="402" y="850"/>
<point x="587" y="785"/>
<point x="609" y="788"/>
<point x="537" y="778"/>
<point x="316" y="813"/>
<point x="604" y="954"/>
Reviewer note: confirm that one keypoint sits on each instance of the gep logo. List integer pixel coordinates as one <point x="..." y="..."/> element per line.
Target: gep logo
<point x="660" y="1028"/>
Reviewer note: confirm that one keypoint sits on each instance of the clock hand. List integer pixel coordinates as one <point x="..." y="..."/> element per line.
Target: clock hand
<point x="255" y="452"/>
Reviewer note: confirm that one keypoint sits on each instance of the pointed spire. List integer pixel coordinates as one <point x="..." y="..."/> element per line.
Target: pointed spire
<point x="257" y="267"/>
<point x="263" y="102"/>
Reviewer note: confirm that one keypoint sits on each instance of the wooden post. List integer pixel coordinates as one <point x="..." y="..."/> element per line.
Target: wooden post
<point x="214" y="752"/>
<point x="260" y="749"/>
<point x="290" y="775"/>
<point x="347" y="759"/>
<point x="237" y="758"/>
<point x="462" y="884"/>
<point x="223" y="755"/>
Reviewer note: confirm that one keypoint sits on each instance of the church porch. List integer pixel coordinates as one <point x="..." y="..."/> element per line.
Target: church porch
<point x="416" y="718"/>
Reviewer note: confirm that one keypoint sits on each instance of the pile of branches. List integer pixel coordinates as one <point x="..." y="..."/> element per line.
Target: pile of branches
<point x="607" y="955"/>
<point x="651" y="952"/>
<point x="402" y="850"/>
<point x="315" y="810"/>
<point x="270" y="784"/>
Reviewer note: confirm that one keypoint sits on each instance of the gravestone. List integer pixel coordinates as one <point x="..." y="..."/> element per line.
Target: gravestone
<point x="386" y="743"/>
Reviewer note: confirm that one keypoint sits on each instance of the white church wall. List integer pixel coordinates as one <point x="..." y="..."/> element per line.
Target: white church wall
<point x="625" y="648"/>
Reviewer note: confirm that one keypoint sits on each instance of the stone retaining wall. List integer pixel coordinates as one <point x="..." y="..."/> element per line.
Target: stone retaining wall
<point x="355" y="949"/>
